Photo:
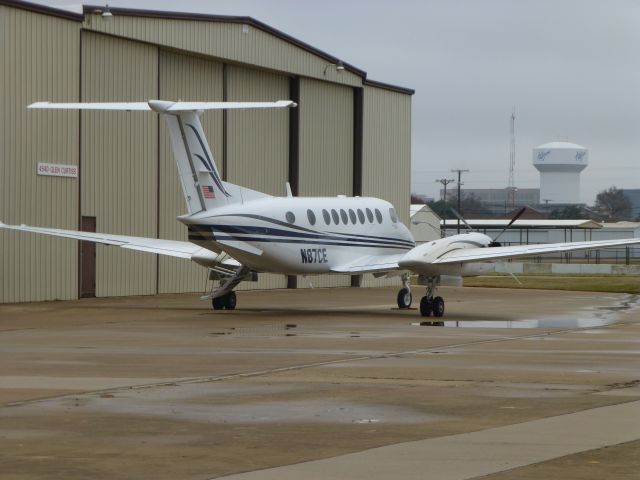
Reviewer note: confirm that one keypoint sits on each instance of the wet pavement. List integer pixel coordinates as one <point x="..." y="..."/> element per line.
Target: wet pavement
<point x="163" y="387"/>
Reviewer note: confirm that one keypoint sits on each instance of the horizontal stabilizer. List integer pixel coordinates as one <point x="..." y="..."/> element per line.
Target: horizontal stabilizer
<point x="163" y="106"/>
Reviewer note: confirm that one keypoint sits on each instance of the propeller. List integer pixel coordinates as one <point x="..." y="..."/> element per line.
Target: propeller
<point x="461" y="218"/>
<point x="495" y="242"/>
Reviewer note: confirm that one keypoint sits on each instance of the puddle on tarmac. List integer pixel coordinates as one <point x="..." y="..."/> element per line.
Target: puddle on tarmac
<point x="587" y="318"/>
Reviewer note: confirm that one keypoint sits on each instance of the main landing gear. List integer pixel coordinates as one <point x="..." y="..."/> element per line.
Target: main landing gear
<point x="430" y="305"/>
<point x="225" y="302"/>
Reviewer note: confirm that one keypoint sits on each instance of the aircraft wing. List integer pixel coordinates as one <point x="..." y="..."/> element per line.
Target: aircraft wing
<point x="172" y="248"/>
<point x="494" y="253"/>
<point x="370" y="264"/>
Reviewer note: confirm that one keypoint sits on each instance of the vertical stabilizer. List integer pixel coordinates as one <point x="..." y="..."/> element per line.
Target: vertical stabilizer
<point x="201" y="182"/>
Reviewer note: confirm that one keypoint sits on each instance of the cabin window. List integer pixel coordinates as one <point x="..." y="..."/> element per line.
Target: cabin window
<point x="370" y="215"/>
<point x="378" y="216"/>
<point x="392" y="214"/>
<point x="291" y="218"/>
<point x="327" y="217"/>
<point x="312" y="217"/>
<point x="352" y="216"/>
<point x="343" y="214"/>
<point x="361" y="216"/>
<point x="336" y="218"/>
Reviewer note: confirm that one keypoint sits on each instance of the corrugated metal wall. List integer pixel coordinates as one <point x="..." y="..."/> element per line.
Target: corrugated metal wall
<point x="184" y="77"/>
<point x="230" y="41"/>
<point x="39" y="60"/>
<point x="129" y="179"/>
<point x="326" y="149"/>
<point x="258" y="142"/>
<point x="386" y="165"/>
<point x="120" y="158"/>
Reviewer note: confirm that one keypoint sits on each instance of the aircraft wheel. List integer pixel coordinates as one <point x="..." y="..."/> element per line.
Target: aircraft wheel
<point x="218" y="303"/>
<point x="230" y="300"/>
<point x="438" y="307"/>
<point x="404" y="298"/>
<point x="426" y="307"/>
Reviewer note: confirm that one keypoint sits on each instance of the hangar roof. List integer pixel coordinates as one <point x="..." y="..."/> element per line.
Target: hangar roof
<point x="89" y="9"/>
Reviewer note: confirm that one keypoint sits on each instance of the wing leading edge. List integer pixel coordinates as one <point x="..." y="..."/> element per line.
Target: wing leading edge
<point x="495" y="253"/>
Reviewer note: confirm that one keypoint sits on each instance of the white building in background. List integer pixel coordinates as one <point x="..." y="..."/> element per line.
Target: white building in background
<point x="560" y="164"/>
<point x="424" y="224"/>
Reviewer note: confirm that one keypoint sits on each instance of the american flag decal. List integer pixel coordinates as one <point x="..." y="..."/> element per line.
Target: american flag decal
<point x="207" y="192"/>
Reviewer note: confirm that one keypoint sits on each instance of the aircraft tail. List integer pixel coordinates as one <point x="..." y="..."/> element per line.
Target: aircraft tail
<point x="201" y="182"/>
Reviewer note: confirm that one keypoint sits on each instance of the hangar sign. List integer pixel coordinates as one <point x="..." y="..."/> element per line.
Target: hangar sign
<point x="57" y="170"/>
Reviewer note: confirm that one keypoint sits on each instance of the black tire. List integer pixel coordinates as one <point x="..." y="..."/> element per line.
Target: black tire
<point x="230" y="301"/>
<point x="217" y="303"/>
<point x="426" y="308"/>
<point x="404" y="298"/>
<point x="438" y="307"/>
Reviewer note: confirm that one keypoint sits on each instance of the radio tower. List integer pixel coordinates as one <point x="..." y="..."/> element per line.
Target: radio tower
<point x="511" y="187"/>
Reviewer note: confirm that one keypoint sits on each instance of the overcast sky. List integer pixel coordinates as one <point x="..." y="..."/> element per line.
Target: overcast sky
<point x="571" y="69"/>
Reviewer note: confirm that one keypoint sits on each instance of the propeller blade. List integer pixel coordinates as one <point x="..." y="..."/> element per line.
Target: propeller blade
<point x="515" y="217"/>
<point x="455" y="212"/>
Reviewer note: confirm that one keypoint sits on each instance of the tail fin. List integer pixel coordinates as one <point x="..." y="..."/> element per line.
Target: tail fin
<point x="201" y="182"/>
<point x="202" y="185"/>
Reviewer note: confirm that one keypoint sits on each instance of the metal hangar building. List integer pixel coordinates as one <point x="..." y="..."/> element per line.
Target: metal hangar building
<point x="114" y="171"/>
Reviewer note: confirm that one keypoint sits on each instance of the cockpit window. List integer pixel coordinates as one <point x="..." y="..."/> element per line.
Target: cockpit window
<point x="378" y="216"/>
<point x="392" y="214"/>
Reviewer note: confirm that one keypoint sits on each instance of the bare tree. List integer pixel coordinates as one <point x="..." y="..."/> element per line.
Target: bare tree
<point x="614" y="204"/>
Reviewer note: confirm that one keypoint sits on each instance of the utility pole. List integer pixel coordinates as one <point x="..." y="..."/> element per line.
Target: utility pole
<point x="444" y="182"/>
<point x="460" y="172"/>
<point x="511" y="187"/>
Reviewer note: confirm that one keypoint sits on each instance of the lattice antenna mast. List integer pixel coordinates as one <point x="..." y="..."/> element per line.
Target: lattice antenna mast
<point x="511" y="187"/>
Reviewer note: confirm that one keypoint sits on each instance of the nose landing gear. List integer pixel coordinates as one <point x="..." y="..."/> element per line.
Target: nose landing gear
<point x="404" y="295"/>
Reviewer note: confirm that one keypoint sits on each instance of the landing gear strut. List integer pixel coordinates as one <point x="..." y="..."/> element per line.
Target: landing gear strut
<point x="226" y="301"/>
<point x="430" y="305"/>
<point x="404" y="295"/>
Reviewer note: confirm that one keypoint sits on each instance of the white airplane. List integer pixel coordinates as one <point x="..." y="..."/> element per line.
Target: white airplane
<point x="237" y="232"/>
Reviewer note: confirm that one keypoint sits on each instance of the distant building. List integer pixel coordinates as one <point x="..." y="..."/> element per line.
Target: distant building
<point x="424" y="224"/>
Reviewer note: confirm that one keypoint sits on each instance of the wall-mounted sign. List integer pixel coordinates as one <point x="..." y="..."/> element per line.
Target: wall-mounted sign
<point x="57" y="170"/>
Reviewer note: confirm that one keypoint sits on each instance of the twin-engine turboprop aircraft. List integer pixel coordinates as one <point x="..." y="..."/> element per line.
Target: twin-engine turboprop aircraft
<point x="237" y="232"/>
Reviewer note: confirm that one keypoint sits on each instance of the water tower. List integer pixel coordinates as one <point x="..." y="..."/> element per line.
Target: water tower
<point x="560" y="164"/>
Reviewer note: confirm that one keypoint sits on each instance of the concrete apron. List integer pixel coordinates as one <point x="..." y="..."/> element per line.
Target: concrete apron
<point x="474" y="454"/>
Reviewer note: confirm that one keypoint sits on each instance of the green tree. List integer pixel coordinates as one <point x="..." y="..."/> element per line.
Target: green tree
<point x="613" y="204"/>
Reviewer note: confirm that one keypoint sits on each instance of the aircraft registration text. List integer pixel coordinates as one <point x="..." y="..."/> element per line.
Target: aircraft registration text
<point x="313" y="255"/>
